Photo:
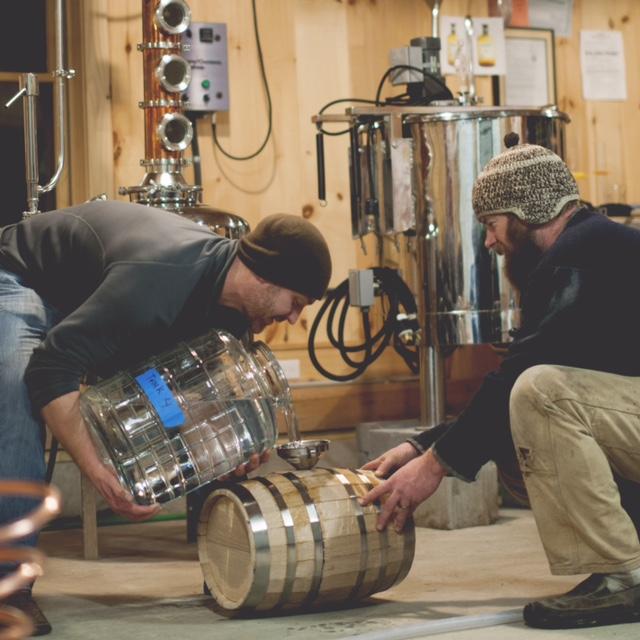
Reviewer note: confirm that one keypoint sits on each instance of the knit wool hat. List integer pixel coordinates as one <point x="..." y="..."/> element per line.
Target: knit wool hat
<point x="289" y="252"/>
<point x="527" y="180"/>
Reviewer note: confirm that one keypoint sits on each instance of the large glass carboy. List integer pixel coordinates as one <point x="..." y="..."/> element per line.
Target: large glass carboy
<point x="188" y="416"/>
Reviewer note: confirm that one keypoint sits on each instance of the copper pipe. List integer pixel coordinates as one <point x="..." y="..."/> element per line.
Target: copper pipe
<point x="29" y="568"/>
<point x="167" y="131"/>
<point x="15" y="624"/>
<point x="156" y="44"/>
<point x="36" y="519"/>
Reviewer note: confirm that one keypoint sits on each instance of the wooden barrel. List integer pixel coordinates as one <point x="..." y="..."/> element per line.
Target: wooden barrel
<point x="297" y="540"/>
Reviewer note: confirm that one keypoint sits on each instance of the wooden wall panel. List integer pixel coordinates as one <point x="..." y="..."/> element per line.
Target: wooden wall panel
<point x="602" y="136"/>
<point x="90" y="107"/>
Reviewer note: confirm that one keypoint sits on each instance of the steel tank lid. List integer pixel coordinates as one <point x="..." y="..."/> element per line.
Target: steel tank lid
<point x="452" y="112"/>
<point x="462" y="113"/>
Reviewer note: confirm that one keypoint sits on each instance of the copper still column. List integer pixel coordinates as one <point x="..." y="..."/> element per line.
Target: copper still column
<point x="167" y="131"/>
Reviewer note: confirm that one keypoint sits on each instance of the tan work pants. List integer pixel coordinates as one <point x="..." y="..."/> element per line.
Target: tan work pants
<point x="570" y="428"/>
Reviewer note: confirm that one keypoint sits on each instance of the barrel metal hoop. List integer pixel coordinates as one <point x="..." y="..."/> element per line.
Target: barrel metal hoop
<point x="384" y="543"/>
<point x="260" y="533"/>
<point x="287" y="521"/>
<point x="316" y="530"/>
<point x="362" y="526"/>
<point x="407" y="553"/>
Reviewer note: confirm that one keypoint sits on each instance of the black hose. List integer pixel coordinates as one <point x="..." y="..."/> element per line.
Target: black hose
<point x="195" y="149"/>
<point x="392" y="288"/>
<point x="322" y="189"/>
<point x="267" y="91"/>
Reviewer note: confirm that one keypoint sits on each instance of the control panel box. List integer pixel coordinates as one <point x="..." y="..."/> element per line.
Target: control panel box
<point x="205" y="48"/>
<point x="361" y="287"/>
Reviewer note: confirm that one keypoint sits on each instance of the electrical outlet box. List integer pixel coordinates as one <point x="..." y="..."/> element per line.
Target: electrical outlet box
<point x="361" y="291"/>
<point x="206" y="51"/>
<point x="411" y="56"/>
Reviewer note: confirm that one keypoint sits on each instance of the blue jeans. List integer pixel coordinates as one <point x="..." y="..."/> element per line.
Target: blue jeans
<point x="25" y="319"/>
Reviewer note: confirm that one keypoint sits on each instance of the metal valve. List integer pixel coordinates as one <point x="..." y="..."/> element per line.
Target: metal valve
<point x="409" y="333"/>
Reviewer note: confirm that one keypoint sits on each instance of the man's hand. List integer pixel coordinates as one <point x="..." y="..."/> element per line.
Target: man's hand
<point x="406" y="489"/>
<point x="391" y="460"/>
<point x="242" y="470"/>
<point x="62" y="416"/>
<point x="119" y="500"/>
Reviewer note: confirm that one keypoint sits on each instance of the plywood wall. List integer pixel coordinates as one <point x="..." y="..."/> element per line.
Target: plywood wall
<point x="316" y="51"/>
<point x="602" y="136"/>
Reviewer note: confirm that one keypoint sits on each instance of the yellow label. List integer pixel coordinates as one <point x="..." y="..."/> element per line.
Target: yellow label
<point x="486" y="54"/>
<point x="452" y="46"/>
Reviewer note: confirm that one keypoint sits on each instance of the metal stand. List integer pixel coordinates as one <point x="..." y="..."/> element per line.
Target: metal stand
<point x="29" y="91"/>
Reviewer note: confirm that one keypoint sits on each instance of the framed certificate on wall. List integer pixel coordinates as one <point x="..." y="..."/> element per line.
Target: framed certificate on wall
<point x="530" y="78"/>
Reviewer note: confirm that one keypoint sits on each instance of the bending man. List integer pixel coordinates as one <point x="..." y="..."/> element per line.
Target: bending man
<point x="94" y="289"/>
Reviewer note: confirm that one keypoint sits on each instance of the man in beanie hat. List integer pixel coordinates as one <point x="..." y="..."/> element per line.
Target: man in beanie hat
<point x="566" y="398"/>
<point x="94" y="289"/>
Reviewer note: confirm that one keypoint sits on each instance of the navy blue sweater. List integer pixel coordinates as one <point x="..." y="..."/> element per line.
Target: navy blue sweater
<point x="579" y="309"/>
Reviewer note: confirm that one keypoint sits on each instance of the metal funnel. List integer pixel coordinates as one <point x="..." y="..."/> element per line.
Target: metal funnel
<point x="303" y="454"/>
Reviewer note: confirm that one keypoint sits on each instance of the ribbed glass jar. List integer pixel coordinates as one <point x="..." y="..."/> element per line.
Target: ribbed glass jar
<point x="187" y="416"/>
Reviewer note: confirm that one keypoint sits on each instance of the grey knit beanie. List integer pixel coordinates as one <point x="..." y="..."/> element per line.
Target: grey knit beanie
<point x="527" y="180"/>
<point x="290" y="252"/>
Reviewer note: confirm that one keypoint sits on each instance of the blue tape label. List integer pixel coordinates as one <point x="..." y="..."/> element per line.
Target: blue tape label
<point x="161" y="398"/>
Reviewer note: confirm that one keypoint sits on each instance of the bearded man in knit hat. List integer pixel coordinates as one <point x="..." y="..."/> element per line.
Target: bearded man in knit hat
<point x="94" y="289"/>
<point x="565" y="402"/>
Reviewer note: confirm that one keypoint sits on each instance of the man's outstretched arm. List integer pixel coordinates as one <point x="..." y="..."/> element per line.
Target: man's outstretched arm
<point x="62" y="416"/>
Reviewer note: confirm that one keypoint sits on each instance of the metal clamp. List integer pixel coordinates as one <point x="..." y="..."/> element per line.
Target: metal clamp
<point x="160" y="44"/>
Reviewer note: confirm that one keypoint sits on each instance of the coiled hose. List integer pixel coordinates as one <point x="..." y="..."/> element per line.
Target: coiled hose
<point x="396" y="297"/>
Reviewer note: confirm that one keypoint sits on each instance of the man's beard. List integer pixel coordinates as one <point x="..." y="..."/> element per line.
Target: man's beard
<point x="521" y="256"/>
<point x="260" y="307"/>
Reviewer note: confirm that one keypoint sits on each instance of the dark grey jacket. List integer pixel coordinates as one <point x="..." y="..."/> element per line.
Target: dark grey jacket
<point x="128" y="280"/>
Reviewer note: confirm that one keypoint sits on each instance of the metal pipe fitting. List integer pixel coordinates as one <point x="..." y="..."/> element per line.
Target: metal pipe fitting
<point x="435" y="19"/>
<point x="173" y="16"/>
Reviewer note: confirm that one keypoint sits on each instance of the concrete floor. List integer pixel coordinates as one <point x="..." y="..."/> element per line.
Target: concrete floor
<point x="148" y="584"/>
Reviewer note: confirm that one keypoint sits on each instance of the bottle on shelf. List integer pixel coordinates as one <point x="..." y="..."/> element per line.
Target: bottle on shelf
<point x="486" y="51"/>
<point x="452" y="46"/>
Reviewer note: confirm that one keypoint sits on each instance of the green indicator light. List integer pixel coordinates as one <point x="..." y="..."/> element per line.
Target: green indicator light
<point x="205" y="84"/>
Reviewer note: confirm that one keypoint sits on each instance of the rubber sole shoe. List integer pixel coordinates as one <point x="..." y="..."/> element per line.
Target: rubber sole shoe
<point x="23" y="600"/>
<point x="595" y="602"/>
